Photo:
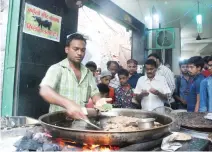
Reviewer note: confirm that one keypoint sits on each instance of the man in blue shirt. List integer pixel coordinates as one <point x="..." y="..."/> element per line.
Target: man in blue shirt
<point x="182" y="86"/>
<point x="195" y="65"/>
<point x="132" y="69"/>
<point x="206" y="91"/>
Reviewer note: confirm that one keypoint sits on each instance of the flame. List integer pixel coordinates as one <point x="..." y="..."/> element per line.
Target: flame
<point x="85" y="147"/>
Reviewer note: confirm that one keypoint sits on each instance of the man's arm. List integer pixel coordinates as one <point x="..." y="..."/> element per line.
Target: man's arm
<point x="159" y="94"/>
<point x="176" y="97"/>
<point x="203" y="96"/>
<point x="47" y="91"/>
<point x="197" y="83"/>
<point x="163" y="96"/>
<point x="197" y="103"/>
<point x="52" y="97"/>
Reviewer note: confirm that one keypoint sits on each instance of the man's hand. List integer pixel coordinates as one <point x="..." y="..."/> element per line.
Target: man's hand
<point x="183" y="102"/>
<point x="75" y="111"/>
<point x="154" y="91"/>
<point x="144" y="93"/>
<point x="99" y="104"/>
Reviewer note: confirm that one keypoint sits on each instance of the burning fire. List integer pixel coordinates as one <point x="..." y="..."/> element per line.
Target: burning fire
<point x="84" y="147"/>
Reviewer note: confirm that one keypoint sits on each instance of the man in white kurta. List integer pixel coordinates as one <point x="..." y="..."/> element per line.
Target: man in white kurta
<point x="152" y="90"/>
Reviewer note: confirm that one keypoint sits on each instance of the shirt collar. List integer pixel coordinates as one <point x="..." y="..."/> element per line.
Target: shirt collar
<point x="196" y="76"/>
<point x="160" y="66"/>
<point x="65" y="63"/>
<point x="155" y="78"/>
<point x="84" y="71"/>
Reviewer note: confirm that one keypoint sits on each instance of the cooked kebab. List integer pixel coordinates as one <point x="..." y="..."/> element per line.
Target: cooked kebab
<point x="124" y="123"/>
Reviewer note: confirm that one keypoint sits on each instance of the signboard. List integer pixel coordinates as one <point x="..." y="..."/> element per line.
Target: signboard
<point x="41" y="23"/>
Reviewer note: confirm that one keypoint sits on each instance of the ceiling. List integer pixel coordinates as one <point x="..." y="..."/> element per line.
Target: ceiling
<point x="179" y="14"/>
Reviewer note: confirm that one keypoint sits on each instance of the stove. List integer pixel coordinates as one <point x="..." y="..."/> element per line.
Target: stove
<point x="38" y="139"/>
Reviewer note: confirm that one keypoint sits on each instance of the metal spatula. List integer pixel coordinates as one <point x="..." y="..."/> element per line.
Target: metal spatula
<point x="91" y="124"/>
<point x="88" y="121"/>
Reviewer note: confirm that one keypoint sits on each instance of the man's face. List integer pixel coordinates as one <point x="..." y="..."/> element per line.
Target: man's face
<point x="210" y="66"/>
<point x="99" y="71"/>
<point x="184" y="69"/>
<point x="76" y="51"/>
<point x="106" y="80"/>
<point x="150" y="71"/>
<point x="113" y="69"/>
<point x="155" y="59"/>
<point x="193" y="70"/>
<point x="205" y="66"/>
<point x="132" y="68"/>
<point x="123" y="79"/>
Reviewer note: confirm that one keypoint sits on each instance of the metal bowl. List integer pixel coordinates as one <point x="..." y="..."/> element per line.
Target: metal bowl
<point x="146" y="123"/>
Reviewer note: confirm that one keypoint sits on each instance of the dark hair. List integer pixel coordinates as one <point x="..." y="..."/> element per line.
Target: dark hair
<point x="132" y="61"/>
<point x="123" y="72"/>
<point x="197" y="61"/>
<point x="206" y="59"/>
<point x="75" y="36"/>
<point x="112" y="62"/>
<point x="103" y="88"/>
<point x="151" y="62"/>
<point x="209" y="59"/>
<point x="183" y="62"/>
<point x="156" y="56"/>
<point x="91" y="64"/>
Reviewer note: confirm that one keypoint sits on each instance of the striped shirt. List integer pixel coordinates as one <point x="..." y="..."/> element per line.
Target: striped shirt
<point x="169" y="76"/>
<point x="62" y="79"/>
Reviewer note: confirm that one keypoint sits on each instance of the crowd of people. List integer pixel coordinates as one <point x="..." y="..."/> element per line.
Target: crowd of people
<point x="70" y="85"/>
<point x="157" y="86"/>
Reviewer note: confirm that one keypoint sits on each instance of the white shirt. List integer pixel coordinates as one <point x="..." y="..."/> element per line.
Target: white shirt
<point x="152" y="101"/>
<point x="169" y="76"/>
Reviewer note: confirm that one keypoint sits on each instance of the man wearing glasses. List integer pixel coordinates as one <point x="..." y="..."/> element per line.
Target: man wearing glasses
<point x="206" y="90"/>
<point x="69" y="84"/>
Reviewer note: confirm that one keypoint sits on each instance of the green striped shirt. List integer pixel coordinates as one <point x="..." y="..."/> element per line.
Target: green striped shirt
<point x="62" y="79"/>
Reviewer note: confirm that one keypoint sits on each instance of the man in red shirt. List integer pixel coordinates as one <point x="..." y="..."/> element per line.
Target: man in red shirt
<point x="205" y="71"/>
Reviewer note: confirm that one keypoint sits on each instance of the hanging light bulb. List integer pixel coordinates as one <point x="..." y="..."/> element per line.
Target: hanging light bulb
<point x="199" y="21"/>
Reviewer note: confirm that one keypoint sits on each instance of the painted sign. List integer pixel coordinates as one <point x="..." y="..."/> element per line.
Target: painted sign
<point x="41" y="23"/>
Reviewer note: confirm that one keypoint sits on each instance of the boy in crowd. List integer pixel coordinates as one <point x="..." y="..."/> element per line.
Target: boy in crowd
<point x="104" y="93"/>
<point x="182" y="86"/>
<point x="195" y="65"/>
<point x="206" y="90"/>
<point x="133" y="75"/>
<point x="92" y="67"/>
<point x="152" y="89"/>
<point x="105" y="78"/>
<point x="124" y="93"/>
<point x="113" y="67"/>
<point x="205" y="70"/>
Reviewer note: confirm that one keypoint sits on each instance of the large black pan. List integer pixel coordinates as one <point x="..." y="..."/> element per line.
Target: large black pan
<point x="104" y="137"/>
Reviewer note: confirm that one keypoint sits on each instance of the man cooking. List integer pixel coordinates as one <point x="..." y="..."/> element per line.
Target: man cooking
<point x="69" y="84"/>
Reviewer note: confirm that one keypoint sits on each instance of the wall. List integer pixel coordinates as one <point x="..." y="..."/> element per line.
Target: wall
<point x="107" y="39"/>
<point x="35" y="55"/>
<point x="176" y="52"/>
<point x="4" y="8"/>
